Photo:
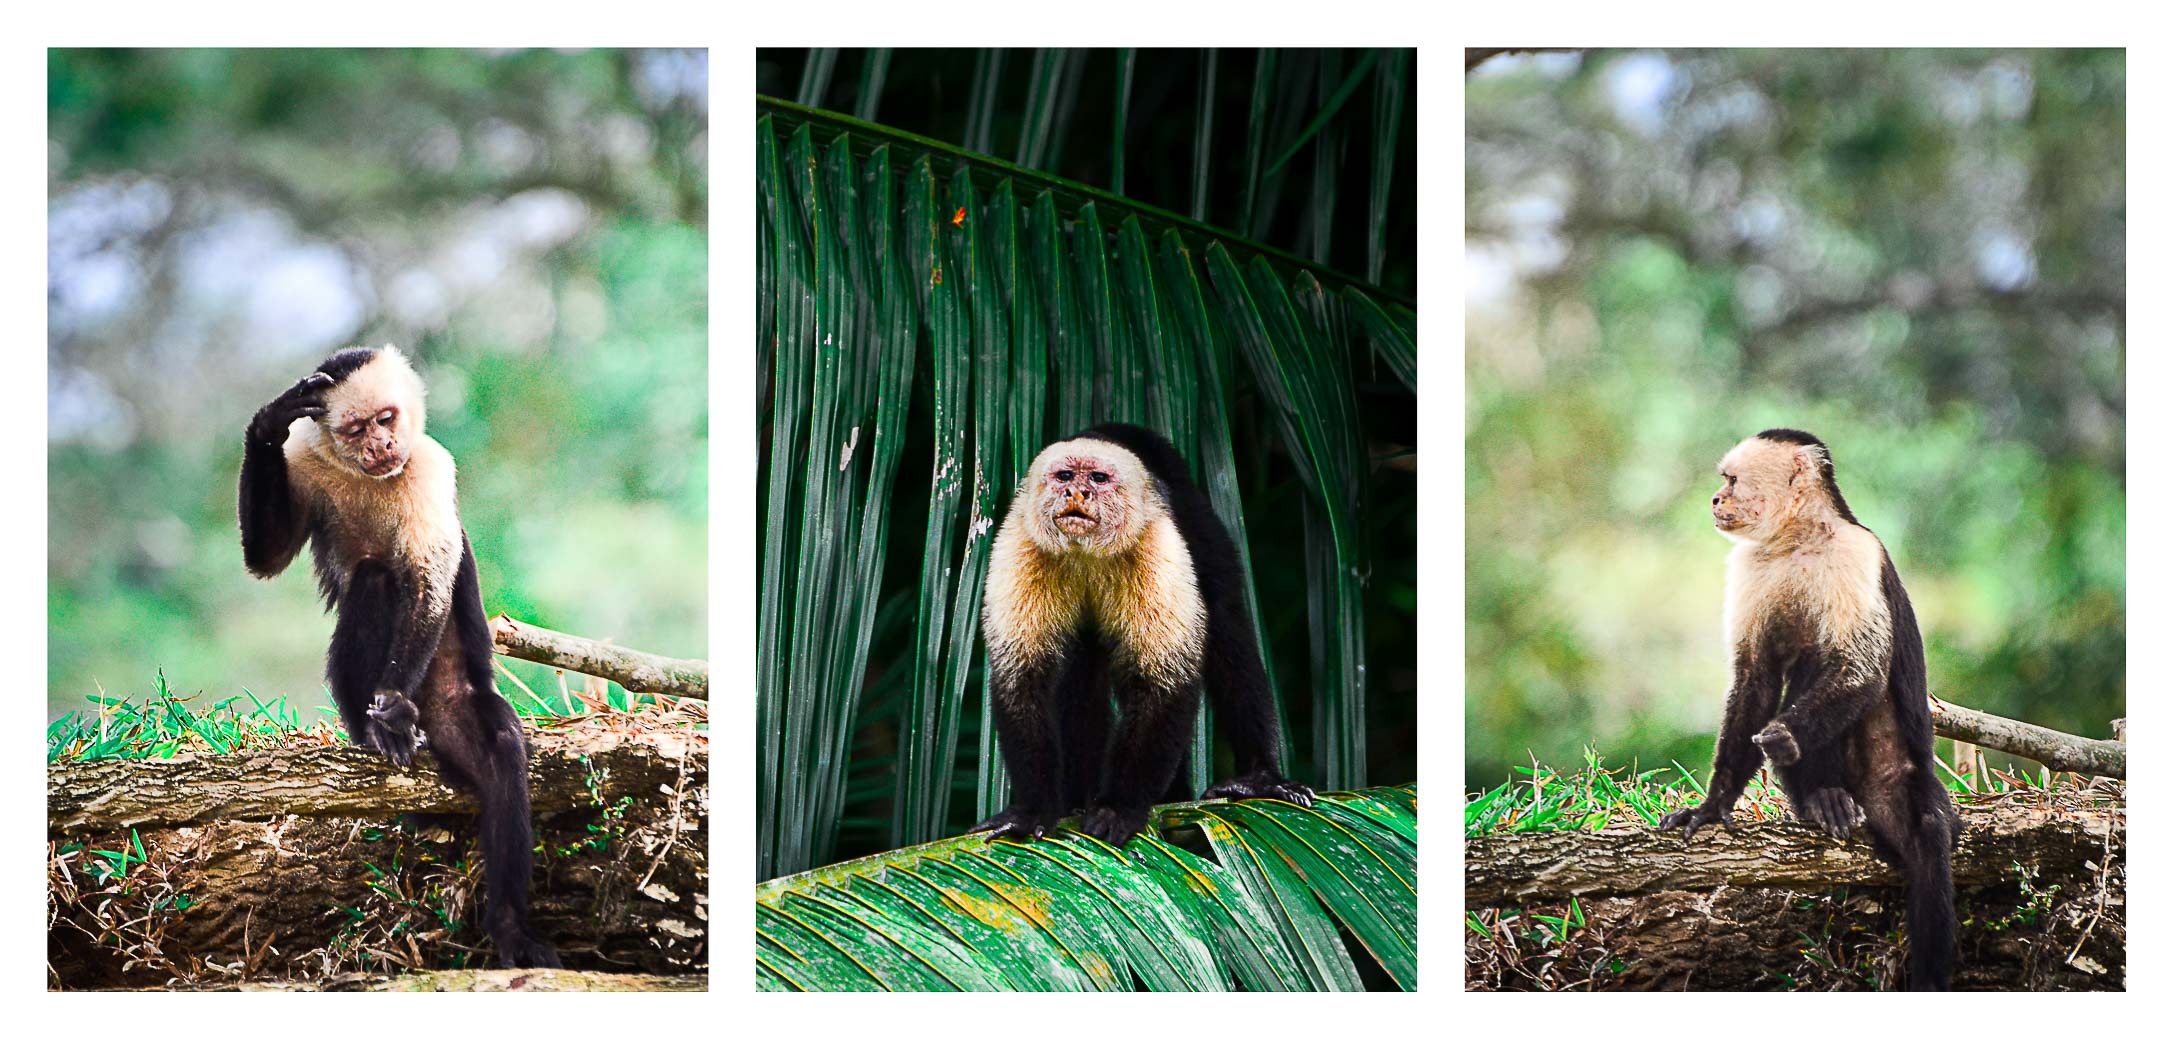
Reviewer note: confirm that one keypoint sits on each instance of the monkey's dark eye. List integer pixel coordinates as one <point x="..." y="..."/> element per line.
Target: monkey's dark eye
<point x="1063" y="476"/>
<point x="384" y="419"/>
<point x="1099" y="477"/>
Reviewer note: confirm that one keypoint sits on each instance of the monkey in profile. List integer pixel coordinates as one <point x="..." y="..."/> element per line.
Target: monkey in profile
<point x="340" y="460"/>
<point x="1112" y="578"/>
<point x="1829" y="680"/>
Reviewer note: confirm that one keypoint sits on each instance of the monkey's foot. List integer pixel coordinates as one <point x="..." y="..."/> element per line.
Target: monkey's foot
<point x="393" y="726"/>
<point x="1111" y="824"/>
<point x="1831" y="810"/>
<point x="1262" y="784"/>
<point x="1778" y="743"/>
<point x="526" y="950"/>
<point x="1015" y="823"/>
<point x="1689" y="819"/>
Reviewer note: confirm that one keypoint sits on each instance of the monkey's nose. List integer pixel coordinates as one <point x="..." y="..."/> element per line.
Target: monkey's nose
<point x="1716" y="501"/>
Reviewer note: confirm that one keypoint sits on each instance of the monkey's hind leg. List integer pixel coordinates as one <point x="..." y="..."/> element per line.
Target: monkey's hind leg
<point x="1237" y="686"/>
<point x="1154" y="727"/>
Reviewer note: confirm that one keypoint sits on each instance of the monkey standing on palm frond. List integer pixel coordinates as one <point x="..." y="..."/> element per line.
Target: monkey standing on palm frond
<point x="1112" y="578"/>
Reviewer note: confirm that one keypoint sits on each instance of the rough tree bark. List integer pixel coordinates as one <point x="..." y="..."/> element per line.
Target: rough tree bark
<point x="1503" y="868"/>
<point x="293" y="871"/>
<point x="2040" y="892"/>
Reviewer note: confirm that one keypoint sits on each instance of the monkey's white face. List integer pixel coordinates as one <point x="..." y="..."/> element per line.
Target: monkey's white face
<point x="373" y="417"/>
<point x="1762" y="487"/>
<point x="1088" y="495"/>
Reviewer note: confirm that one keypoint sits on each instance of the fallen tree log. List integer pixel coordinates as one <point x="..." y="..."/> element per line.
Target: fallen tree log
<point x="2059" y="751"/>
<point x="340" y="779"/>
<point x="288" y="866"/>
<point x="2040" y="893"/>
<point x="639" y="672"/>
<point x="1508" y="867"/>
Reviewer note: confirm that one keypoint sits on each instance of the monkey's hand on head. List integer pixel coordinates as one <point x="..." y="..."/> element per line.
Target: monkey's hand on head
<point x="1016" y="823"/>
<point x="1705" y="813"/>
<point x="1263" y="784"/>
<point x="393" y="717"/>
<point x="1778" y="743"/>
<point x="304" y="399"/>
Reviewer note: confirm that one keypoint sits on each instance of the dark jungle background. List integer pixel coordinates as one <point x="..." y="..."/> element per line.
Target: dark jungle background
<point x="529" y="225"/>
<point x="1311" y="154"/>
<point x="1918" y="255"/>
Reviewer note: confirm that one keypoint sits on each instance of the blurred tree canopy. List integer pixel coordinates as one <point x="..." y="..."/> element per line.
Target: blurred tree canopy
<point x="1918" y="255"/>
<point x="529" y="224"/>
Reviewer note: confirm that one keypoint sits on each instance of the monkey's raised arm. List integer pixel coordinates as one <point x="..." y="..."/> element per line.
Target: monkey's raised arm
<point x="1752" y="698"/>
<point x="274" y="520"/>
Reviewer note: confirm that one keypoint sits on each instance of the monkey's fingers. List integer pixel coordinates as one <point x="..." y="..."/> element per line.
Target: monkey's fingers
<point x="1013" y="824"/>
<point x="1262" y="784"/>
<point x="1111" y="824"/>
<point x="1689" y="819"/>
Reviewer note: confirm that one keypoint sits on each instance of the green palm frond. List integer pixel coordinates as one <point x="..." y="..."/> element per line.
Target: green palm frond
<point x="1278" y="898"/>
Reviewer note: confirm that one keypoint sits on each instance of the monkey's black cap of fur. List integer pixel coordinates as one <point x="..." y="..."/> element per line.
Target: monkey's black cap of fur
<point x="1791" y="436"/>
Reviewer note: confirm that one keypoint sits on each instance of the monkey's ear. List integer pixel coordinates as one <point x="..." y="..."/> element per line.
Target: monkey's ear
<point x="1807" y="459"/>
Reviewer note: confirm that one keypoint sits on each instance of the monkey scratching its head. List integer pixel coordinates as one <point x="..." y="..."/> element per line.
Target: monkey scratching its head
<point x="372" y="411"/>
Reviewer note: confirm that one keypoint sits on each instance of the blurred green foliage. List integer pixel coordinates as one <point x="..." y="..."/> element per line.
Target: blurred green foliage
<point x="530" y="225"/>
<point x="1917" y="255"/>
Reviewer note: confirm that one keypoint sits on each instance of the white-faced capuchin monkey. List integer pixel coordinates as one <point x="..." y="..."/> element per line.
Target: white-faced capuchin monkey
<point x="1829" y="680"/>
<point x="340" y="460"/>
<point x="1112" y="575"/>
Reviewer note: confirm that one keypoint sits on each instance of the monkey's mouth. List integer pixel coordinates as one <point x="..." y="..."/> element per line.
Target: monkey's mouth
<point x="386" y="469"/>
<point x="1076" y="520"/>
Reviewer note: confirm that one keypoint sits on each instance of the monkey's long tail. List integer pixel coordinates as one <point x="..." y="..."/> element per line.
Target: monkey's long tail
<point x="1931" y="889"/>
<point x="508" y="839"/>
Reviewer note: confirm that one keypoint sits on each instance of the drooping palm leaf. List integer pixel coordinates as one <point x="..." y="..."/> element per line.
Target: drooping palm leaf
<point x="1023" y="306"/>
<point x="1279" y="898"/>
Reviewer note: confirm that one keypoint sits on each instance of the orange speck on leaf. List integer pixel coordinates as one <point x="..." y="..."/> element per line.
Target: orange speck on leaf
<point x="958" y="219"/>
<point x="939" y="276"/>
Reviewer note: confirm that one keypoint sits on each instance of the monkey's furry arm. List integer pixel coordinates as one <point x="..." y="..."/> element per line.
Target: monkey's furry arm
<point x="1751" y="703"/>
<point x="274" y="521"/>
